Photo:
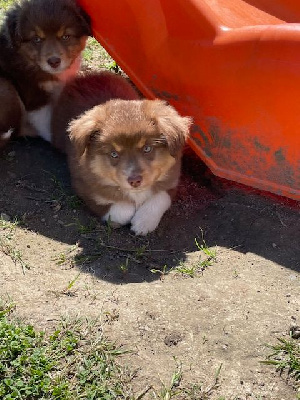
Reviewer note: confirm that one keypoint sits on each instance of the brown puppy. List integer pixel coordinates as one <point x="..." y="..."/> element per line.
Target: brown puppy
<point x="124" y="154"/>
<point x="40" y="46"/>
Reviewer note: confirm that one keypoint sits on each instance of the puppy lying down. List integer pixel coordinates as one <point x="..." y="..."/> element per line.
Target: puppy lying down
<point x="123" y="153"/>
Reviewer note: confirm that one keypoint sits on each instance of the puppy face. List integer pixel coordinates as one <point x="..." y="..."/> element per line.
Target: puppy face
<point x="48" y="34"/>
<point x="130" y="144"/>
<point x="134" y="163"/>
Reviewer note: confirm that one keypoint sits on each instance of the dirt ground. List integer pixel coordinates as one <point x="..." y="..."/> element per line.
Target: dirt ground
<point x="61" y="261"/>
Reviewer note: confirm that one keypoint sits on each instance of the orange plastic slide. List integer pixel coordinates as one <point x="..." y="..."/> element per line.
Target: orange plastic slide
<point x="233" y="65"/>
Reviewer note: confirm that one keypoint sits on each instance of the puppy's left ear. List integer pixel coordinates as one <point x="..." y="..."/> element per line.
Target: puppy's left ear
<point x="84" y="128"/>
<point x="173" y="127"/>
<point x="11" y="27"/>
<point x="85" y="22"/>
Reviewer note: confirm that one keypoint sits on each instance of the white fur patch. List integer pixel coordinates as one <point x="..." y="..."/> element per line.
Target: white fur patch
<point x="120" y="213"/>
<point x="6" y="135"/>
<point x="41" y="120"/>
<point x="139" y="196"/>
<point x="148" y="216"/>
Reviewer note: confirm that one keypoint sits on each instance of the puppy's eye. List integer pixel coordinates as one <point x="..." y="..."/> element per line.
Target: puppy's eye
<point x="65" y="38"/>
<point x="147" y="149"/>
<point x="114" y="154"/>
<point x="36" y="39"/>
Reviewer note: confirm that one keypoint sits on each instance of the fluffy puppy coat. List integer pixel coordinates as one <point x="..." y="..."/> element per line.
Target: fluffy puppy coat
<point x="124" y="153"/>
<point x="40" y="46"/>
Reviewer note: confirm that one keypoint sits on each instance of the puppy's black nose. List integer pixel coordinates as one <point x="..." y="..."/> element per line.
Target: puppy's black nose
<point x="135" y="181"/>
<point x="54" y="62"/>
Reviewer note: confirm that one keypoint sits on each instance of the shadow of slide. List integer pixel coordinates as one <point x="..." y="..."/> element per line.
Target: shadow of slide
<point x="36" y="189"/>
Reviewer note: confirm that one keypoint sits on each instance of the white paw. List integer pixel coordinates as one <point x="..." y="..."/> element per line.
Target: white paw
<point x="120" y="213"/>
<point x="6" y="135"/>
<point x="148" y="216"/>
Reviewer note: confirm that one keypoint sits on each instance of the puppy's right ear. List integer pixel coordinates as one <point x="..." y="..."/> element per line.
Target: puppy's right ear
<point x="11" y="27"/>
<point x="84" y="128"/>
<point x="86" y="22"/>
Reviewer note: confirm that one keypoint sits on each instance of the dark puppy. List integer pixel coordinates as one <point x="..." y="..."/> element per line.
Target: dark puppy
<point x="11" y="110"/>
<point x="40" y="46"/>
<point x="124" y="153"/>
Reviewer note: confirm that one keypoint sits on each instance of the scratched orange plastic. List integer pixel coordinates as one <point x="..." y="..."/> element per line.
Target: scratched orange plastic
<point x="233" y="65"/>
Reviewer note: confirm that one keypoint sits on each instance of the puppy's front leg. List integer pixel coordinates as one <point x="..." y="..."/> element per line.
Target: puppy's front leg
<point x="120" y="213"/>
<point x="148" y="216"/>
<point x="11" y="112"/>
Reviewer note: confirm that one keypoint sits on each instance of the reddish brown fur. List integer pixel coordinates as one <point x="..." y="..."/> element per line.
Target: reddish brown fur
<point x="119" y="150"/>
<point x="125" y="127"/>
<point x="40" y="41"/>
<point x="83" y="93"/>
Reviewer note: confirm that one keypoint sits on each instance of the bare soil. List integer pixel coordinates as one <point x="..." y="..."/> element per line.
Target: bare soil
<point x="60" y="261"/>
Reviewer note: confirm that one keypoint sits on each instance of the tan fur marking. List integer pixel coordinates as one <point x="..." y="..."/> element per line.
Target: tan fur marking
<point x="141" y="143"/>
<point x="40" y="32"/>
<point x="117" y="147"/>
<point x="61" y="32"/>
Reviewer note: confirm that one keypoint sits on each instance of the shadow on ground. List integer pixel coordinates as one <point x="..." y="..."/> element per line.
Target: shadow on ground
<point x="36" y="189"/>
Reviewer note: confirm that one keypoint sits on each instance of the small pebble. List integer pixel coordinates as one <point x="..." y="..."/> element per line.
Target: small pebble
<point x="295" y="332"/>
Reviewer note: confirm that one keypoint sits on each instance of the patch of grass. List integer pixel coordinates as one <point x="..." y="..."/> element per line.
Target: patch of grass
<point x="210" y="253"/>
<point x="84" y="229"/>
<point x="73" y="202"/>
<point x="69" y="290"/>
<point x="81" y="259"/>
<point x="285" y="357"/>
<point x="73" y="257"/>
<point x="15" y="255"/>
<point x="188" y="269"/>
<point x="74" y="362"/>
<point x="95" y="56"/>
<point x="67" y="257"/>
<point x="124" y="267"/>
<point x="174" y="390"/>
<point x="140" y="251"/>
<point x="8" y="226"/>
<point x="5" y="4"/>
<point x="6" y="307"/>
<point x="60" y="195"/>
<point x="210" y="256"/>
<point x="7" y="245"/>
<point x="163" y="272"/>
<point x="198" y="392"/>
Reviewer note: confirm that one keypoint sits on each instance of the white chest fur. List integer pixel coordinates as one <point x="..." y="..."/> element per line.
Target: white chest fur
<point x="139" y="197"/>
<point x="41" y="121"/>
